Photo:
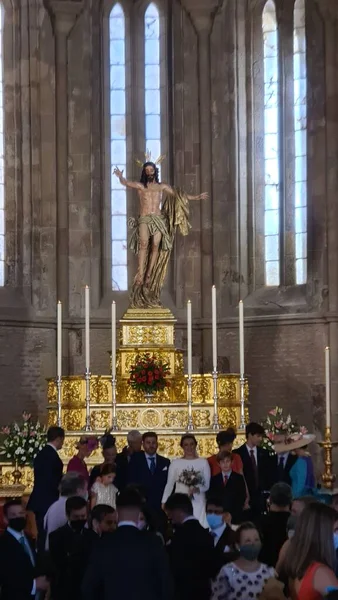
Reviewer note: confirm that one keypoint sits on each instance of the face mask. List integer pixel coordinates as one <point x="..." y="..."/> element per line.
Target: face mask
<point x="214" y="521"/>
<point x="18" y="523"/>
<point x="141" y="525"/>
<point x="335" y="540"/>
<point x="250" y="551"/>
<point x="77" y="526"/>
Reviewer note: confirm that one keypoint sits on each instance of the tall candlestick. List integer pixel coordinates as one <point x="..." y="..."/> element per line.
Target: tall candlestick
<point x="214" y="328"/>
<point x="241" y="338"/>
<point x="113" y="339"/>
<point x="59" y="340"/>
<point x="328" y="387"/>
<point x="189" y="333"/>
<point x="87" y="327"/>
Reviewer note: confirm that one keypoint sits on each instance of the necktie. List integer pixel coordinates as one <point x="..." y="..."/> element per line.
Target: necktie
<point x="23" y="543"/>
<point x="225" y="480"/>
<point x="281" y="468"/>
<point x="254" y="465"/>
<point x="152" y="465"/>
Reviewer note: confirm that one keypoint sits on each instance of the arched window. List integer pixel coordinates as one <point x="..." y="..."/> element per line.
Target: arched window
<point x="2" y="158"/>
<point x="271" y="146"/>
<point x="300" y="132"/>
<point x="118" y="146"/>
<point x="152" y="81"/>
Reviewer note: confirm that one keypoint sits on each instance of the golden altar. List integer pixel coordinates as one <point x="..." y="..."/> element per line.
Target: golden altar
<point x="141" y="331"/>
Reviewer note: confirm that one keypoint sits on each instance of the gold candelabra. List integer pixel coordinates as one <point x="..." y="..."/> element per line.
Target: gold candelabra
<point x="327" y="444"/>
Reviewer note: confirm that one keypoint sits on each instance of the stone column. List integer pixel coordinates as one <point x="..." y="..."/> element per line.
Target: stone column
<point x="64" y="14"/>
<point x="202" y="14"/>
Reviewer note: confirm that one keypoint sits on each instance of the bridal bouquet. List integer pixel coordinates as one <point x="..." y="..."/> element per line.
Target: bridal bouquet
<point x="191" y="478"/>
<point x="278" y="426"/>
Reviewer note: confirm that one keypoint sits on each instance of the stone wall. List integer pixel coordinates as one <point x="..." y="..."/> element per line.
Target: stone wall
<point x="57" y="209"/>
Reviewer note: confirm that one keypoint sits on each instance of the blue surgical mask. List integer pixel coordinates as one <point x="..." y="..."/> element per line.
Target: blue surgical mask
<point x="214" y="521"/>
<point x="335" y="540"/>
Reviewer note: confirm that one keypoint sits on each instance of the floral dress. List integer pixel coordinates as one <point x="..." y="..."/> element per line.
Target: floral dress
<point x="232" y="583"/>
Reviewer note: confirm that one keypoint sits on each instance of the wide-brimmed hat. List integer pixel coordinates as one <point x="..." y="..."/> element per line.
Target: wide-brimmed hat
<point x="292" y="442"/>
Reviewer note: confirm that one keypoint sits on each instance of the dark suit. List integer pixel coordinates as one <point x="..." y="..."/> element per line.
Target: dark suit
<point x="128" y="564"/>
<point x="17" y="572"/>
<point x="273" y="529"/>
<point x="152" y="485"/>
<point x="266" y="476"/>
<point x="48" y="468"/>
<point x="122" y="467"/>
<point x="283" y="474"/>
<point x="193" y="560"/>
<point x="227" y="539"/>
<point x="70" y="553"/>
<point x="233" y="493"/>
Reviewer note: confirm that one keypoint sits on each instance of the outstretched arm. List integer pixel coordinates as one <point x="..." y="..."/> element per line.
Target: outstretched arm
<point x="131" y="184"/>
<point x="203" y="196"/>
<point x="169" y="190"/>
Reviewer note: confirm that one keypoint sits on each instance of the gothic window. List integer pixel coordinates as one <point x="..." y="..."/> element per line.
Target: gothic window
<point x="2" y="157"/>
<point x="152" y="81"/>
<point x="118" y="143"/>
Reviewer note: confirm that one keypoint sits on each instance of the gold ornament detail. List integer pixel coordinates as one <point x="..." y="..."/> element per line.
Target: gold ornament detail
<point x="51" y="392"/>
<point x="175" y="419"/>
<point x="73" y="419"/>
<point x="227" y="417"/>
<point x="151" y="418"/>
<point x="52" y="418"/>
<point x="99" y="391"/>
<point x="140" y="335"/>
<point x="201" y="388"/>
<point x="227" y="390"/>
<point x="100" y="419"/>
<point x="127" y="419"/>
<point x="179" y="364"/>
<point x="201" y="418"/>
<point x="71" y="393"/>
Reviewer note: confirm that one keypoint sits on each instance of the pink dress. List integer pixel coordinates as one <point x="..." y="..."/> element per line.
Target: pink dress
<point x="79" y="466"/>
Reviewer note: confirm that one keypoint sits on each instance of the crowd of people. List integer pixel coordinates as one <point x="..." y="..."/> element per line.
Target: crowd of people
<point x="229" y="527"/>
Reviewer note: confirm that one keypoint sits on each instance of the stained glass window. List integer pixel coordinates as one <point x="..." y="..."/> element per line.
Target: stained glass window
<point x="2" y="159"/>
<point x="152" y="80"/>
<point x="300" y="130"/>
<point x="271" y="145"/>
<point x="118" y="146"/>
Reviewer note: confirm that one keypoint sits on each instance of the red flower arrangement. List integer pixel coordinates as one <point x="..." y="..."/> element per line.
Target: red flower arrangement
<point x="148" y="375"/>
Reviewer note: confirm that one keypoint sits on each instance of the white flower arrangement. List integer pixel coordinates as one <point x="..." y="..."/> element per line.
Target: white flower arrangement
<point x="23" y="442"/>
<point x="278" y="426"/>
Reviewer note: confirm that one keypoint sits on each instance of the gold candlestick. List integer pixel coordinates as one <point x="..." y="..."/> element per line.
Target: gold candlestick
<point x="328" y="478"/>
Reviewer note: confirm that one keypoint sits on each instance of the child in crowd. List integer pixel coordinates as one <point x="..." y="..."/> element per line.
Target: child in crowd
<point x="245" y="577"/>
<point x="103" y="490"/>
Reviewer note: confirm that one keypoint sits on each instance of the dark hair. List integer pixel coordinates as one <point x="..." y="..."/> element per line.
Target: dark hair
<point x="100" y="511"/>
<point x="226" y="437"/>
<point x="71" y="482"/>
<point x="223" y="455"/>
<point x="10" y="503"/>
<point x="149" y="434"/>
<point x="312" y="541"/>
<point x="254" y="429"/>
<point x="107" y="470"/>
<point x="247" y="526"/>
<point x="187" y="436"/>
<point x="75" y="503"/>
<point x="333" y="595"/>
<point x="129" y="498"/>
<point x="216" y="500"/>
<point x="180" y="502"/>
<point x="144" y="177"/>
<point x="54" y="433"/>
<point x="281" y="494"/>
<point x="107" y="441"/>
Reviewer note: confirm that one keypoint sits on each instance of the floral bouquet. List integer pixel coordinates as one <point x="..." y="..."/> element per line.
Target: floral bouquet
<point x="191" y="478"/>
<point x="278" y="427"/>
<point x="149" y="375"/>
<point x="23" y="441"/>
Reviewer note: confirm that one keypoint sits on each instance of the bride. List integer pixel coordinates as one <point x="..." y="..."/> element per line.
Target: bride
<point x="189" y="475"/>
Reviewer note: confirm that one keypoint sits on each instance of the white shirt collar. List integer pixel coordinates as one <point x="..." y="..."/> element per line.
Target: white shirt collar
<point x="128" y="523"/>
<point x="150" y="457"/>
<point x="227" y="474"/>
<point x="254" y="451"/>
<point x="52" y="446"/>
<point x="219" y="531"/>
<point x="190" y="518"/>
<point x="284" y="455"/>
<point x="16" y="534"/>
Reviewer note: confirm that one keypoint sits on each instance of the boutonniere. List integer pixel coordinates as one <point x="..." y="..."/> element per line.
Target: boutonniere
<point x="165" y="469"/>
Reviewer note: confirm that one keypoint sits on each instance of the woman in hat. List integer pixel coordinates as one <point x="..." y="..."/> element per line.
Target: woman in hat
<point x="302" y="472"/>
<point x="85" y="447"/>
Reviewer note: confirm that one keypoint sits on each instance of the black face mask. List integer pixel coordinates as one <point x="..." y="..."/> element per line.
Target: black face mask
<point x="77" y="526"/>
<point x="18" y="523"/>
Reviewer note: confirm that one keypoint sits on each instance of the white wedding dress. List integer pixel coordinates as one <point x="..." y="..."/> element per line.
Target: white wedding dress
<point x="198" y="501"/>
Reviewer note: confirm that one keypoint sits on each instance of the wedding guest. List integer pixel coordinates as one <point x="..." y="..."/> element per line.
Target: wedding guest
<point x="109" y="453"/>
<point x="189" y="475"/>
<point x="104" y="490"/>
<point x="72" y="484"/>
<point x="258" y="468"/>
<point x="273" y="525"/>
<point x="85" y="447"/>
<point x="130" y="563"/>
<point x="150" y="470"/>
<point x="219" y="521"/>
<point x="48" y="468"/>
<point x="302" y="472"/>
<point x="191" y="551"/>
<point x="311" y="560"/>
<point x="19" y="572"/>
<point x="245" y="577"/>
<point x="284" y="461"/>
<point x="103" y="519"/>
<point x="134" y="445"/>
<point x="70" y="547"/>
<point x="225" y="440"/>
<point x="230" y="485"/>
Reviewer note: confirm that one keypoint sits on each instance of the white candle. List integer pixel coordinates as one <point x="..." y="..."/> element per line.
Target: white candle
<point x="328" y="386"/>
<point x="87" y="326"/>
<point x="241" y="338"/>
<point x="59" y="340"/>
<point x="214" y="329"/>
<point x="113" y="339"/>
<point x="189" y="325"/>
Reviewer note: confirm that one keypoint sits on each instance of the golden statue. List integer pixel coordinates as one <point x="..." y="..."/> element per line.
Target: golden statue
<point x="162" y="209"/>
